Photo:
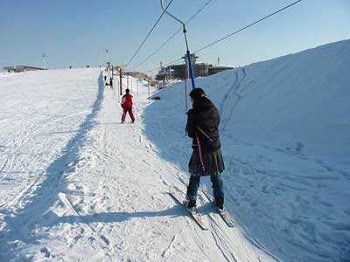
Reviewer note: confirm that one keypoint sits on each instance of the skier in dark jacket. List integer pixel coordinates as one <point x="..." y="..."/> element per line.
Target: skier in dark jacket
<point x="206" y="159"/>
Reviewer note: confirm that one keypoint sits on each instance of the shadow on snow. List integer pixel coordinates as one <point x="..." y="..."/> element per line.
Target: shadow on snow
<point x="20" y="226"/>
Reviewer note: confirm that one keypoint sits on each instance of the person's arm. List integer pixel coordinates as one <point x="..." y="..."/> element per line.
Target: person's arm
<point x="123" y="101"/>
<point x="191" y="124"/>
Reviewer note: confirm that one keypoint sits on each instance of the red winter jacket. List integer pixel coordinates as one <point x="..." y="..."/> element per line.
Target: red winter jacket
<point x="127" y="101"/>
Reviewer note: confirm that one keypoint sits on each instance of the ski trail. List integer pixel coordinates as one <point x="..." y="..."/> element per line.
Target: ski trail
<point x="103" y="241"/>
<point x="236" y="98"/>
<point x="3" y="167"/>
<point x="146" y="162"/>
<point x="221" y="243"/>
<point x="225" y="238"/>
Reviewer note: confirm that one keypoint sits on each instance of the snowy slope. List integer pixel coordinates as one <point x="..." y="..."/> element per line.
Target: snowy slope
<point x="286" y="141"/>
<point x="78" y="185"/>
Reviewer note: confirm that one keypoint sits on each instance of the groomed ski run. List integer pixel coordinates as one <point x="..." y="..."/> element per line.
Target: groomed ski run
<point x="103" y="196"/>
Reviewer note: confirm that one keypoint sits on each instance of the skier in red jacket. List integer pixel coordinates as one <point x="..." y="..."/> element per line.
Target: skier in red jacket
<point x="127" y="106"/>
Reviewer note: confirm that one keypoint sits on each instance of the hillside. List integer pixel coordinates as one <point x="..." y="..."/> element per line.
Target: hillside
<point x="286" y="139"/>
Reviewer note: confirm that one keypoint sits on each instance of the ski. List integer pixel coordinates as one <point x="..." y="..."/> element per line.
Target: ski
<point x="222" y="212"/>
<point x="179" y="197"/>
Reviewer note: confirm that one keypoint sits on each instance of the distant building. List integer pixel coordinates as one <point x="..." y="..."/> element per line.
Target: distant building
<point x="180" y="71"/>
<point x="216" y="69"/>
<point x="21" y="68"/>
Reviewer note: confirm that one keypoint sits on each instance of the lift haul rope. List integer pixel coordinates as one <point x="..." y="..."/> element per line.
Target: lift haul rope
<point x="235" y="32"/>
<point x="190" y="69"/>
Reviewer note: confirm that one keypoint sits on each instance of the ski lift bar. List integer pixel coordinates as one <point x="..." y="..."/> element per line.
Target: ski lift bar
<point x="187" y="51"/>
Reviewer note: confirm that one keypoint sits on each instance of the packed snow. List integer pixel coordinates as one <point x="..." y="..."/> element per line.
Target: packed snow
<point x="77" y="185"/>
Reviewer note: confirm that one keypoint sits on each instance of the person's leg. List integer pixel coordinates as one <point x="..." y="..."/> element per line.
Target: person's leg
<point x="124" y="114"/>
<point x="218" y="191"/>
<point x="192" y="189"/>
<point x="131" y="114"/>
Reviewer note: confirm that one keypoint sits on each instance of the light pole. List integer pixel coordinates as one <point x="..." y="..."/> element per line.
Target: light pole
<point x="107" y="56"/>
<point x="44" y="62"/>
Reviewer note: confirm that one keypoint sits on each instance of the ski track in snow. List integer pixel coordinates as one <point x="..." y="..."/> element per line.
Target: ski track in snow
<point x="237" y="96"/>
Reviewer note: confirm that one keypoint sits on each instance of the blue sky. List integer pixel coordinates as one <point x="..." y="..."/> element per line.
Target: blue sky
<point x="77" y="33"/>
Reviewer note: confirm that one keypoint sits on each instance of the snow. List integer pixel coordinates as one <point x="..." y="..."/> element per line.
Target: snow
<point x="76" y="184"/>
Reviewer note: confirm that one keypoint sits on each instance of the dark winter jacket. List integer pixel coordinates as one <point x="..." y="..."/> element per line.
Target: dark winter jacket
<point x="203" y="119"/>
<point x="203" y="122"/>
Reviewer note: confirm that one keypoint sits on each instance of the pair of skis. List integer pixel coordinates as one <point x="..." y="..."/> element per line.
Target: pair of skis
<point x="179" y="196"/>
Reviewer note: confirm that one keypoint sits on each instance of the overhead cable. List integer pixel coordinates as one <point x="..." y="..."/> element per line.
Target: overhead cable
<point x="240" y="30"/>
<point x="148" y="34"/>
<point x="171" y="37"/>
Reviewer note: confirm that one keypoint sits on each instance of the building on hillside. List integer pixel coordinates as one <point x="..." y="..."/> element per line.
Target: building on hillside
<point x="180" y="71"/>
<point x="217" y="69"/>
<point x="21" y="68"/>
<point x="138" y="75"/>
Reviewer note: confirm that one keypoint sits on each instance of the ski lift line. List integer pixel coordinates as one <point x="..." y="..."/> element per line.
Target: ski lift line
<point x="167" y="41"/>
<point x="171" y="15"/>
<point x="188" y="54"/>
<point x="171" y="37"/>
<point x="254" y="23"/>
<point x="240" y="30"/>
<point x="148" y="34"/>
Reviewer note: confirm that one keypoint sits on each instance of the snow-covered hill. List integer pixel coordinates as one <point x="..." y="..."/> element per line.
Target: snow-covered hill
<point x="286" y="141"/>
<point x="78" y="185"/>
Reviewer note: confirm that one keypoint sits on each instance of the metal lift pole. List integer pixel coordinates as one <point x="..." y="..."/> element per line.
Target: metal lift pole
<point x="187" y="51"/>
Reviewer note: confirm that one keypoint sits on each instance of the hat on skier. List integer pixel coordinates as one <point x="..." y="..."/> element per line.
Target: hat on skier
<point x="127" y="90"/>
<point x="197" y="93"/>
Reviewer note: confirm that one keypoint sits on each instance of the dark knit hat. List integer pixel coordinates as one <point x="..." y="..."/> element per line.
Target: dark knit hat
<point x="127" y="90"/>
<point x="197" y="92"/>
